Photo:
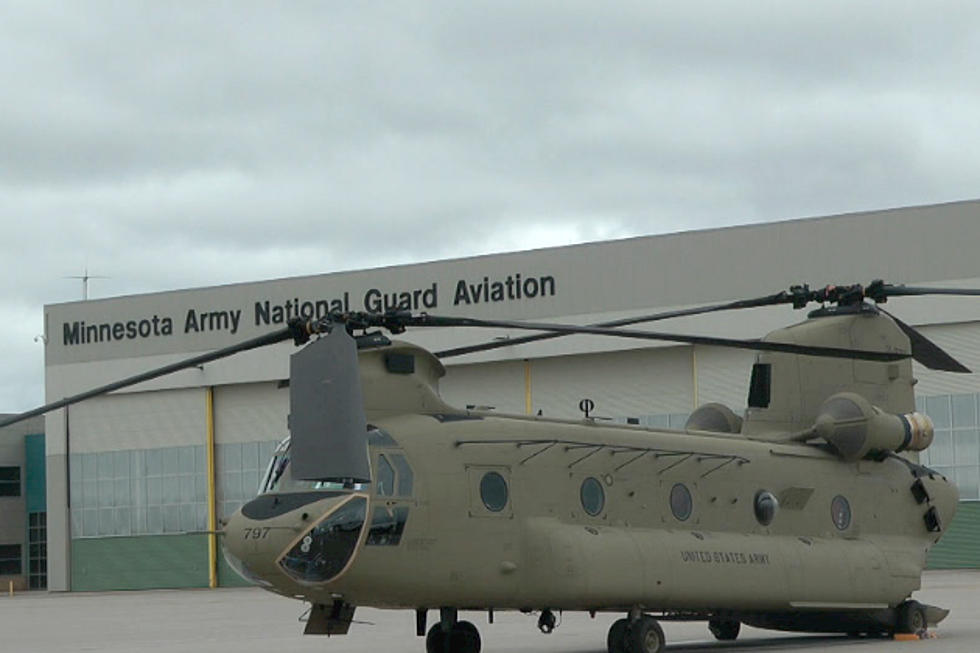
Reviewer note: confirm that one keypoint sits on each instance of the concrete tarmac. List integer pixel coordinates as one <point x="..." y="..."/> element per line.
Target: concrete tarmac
<point x="252" y="620"/>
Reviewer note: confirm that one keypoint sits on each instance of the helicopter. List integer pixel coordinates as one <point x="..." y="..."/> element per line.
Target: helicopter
<point x="800" y="515"/>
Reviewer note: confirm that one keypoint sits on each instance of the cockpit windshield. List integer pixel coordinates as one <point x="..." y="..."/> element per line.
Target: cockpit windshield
<point x="278" y="476"/>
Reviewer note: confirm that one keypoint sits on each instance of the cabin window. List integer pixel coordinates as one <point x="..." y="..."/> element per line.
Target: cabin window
<point x="593" y="496"/>
<point x="386" y="477"/>
<point x="766" y="505"/>
<point x="493" y="491"/>
<point x="681" y="503"/>
<point x="760" y="387"/>
<point x="387" y="526"/>
<point x="840" y="512"/>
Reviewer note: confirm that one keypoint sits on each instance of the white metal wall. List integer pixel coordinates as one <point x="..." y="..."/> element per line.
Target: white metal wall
<point x="146" y="420"/>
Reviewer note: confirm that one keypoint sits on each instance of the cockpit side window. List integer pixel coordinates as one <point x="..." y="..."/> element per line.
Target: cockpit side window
<point x="405" y="476"/>
<point x="760" y="387"/>
<point x="385" y="477"/>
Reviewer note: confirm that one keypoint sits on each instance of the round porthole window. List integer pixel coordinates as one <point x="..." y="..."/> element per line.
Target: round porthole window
<point x="593" y="496"/>
<point x="681" y="503"/>
<point x="493" y="491"/>
<point x="840" y="512"/>
<point x="766" y="505"/>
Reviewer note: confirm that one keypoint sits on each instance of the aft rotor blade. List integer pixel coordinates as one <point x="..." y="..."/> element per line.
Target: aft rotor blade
<point x="426" y="320"/>
<point x="768" y="300"/>
<point x="927" y="352"/>
<point x="911" y="291"/>
<point x="254" y="343"/>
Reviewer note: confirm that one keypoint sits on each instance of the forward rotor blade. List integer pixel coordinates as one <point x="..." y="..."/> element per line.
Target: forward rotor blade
<point x="254" y="343"/>
<point x="426" y="320"/>
<point x="768" y="300"/>
<point x="927" y="352"/>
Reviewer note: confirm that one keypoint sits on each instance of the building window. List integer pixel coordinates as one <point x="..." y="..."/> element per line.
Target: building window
<point x="955" y="451"/>
<point x="37" y="550"/>
<point x="10" y="562"/>
<point x="9" y="481"/>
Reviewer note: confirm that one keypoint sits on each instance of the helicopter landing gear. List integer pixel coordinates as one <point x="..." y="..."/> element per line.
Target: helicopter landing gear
<point x="452" y="636"/>
<point x="910" y="618"/>
<point x="724" y="630"/>
<point x="638" y="635"/>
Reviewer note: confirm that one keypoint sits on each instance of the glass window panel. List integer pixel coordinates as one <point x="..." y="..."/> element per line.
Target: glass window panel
<point x="90" y="466"/>
<point x="966" y="447"/>
<point x="185" y="460"/>
<point x="75" y="496"/>
<point x="106" y="467"/>
<point x="938" y="409"/>
<point x="200" y="488"/>
<point x="964" y="410"/>
<point x="154" y="491"/>
<point x="76" y="523"/>
<point x="90" y="493"/>
<point x="656" y="420"/>
<point x="171" y="519"/>
<point x="137" y="492"/>
<point x="232" y="486"/>
<point x="137" y="467"/>
<point x="106" y="494"/>
<point x="250" y="455"/>
<point x="171" y="462"/>
<point x="107" y="521"/>
<point x="137" y="520"/>
<point x="941" y="451"/>
<point x="186" y="489"/>
<point x="188" y="521"/>
<point x="75" y="467"/>
<point x="123" y="522"/>
<point x="201" y="512"/>
<point x="120" y="464"/>
<point x="171" y="490"/>
<point x="968" y="482"/>
<point x="154" y="462"/>
<point x="121" y="490"/>
<point x="920" y="404"/>
<point x="677" y="420"/>
<point x="154" y="520"/>
<point x="90" y="522"/>
<point x="200" y="460"/>
<point x="233" y="457"/>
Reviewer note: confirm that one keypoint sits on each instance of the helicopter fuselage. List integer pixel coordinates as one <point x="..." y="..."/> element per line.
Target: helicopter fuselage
<point x="510" y="512"/>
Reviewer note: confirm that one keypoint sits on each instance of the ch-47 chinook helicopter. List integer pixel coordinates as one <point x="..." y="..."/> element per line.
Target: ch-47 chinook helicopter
<point x="800" y="516"/>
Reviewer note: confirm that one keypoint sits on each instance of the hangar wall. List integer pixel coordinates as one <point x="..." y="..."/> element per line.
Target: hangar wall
<point x="140" y="475"/>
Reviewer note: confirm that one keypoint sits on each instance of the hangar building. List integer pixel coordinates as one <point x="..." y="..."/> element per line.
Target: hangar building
<point x="134" y="478"/>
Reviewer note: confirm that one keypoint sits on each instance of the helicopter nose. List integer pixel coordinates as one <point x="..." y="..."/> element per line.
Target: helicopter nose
<point x="239" y="548"/>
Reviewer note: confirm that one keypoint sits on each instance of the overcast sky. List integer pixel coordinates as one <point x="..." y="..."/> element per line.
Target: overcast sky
<point x="180" y="144"/>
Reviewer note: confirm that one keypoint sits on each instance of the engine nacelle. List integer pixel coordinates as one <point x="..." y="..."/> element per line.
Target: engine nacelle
<point x="855" y="428"/>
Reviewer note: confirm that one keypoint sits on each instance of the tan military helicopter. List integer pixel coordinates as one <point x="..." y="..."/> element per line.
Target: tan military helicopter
<point x="800" y="516"/>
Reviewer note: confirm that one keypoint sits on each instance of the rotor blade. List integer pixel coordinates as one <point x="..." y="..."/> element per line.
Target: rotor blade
<point x="909" y="291"/>
<point x="927" y="352"/>
<point x="401" y="320"/>
<point x="260" y="341"/>
<point x="768" y="300"/>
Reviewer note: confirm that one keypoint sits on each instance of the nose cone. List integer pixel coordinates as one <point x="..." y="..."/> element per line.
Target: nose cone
<point x="310" y="537"/>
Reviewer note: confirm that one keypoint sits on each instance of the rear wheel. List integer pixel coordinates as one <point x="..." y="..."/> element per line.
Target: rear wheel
<point x="910" y="618"/>
<point x="645" y="636"/>
<point x="463" y="637"/>
<point x="616" y="639"/>
<point x="724" y="629"/>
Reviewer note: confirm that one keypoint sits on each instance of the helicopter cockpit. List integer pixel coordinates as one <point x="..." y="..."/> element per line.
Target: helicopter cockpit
<point x="278" y="476"/>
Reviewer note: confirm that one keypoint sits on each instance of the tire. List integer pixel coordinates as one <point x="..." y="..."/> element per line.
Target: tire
<point x="910" y="618"/>
<point x="463" y="638"/>
<point x="646" y="636"/>
<point x="724" y="630"/>
<point x="617" y="639"/>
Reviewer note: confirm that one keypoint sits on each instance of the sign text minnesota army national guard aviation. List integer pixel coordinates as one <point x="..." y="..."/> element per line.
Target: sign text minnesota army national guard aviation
<point x="266" y="311"/>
